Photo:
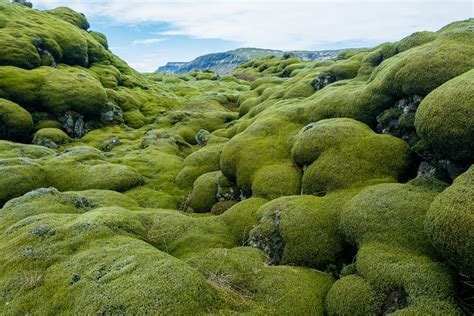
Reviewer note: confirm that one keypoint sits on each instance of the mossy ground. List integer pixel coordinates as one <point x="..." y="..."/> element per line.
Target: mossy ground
<point x="265" y="192"/>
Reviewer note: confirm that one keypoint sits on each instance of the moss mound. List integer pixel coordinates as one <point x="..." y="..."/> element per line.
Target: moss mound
<point x="392" y="213"/>
<point x="340" y="153"/>
<point x="282" y="231"/>
<point x="351" y="295"/>
<point x="50" y="137"/>
<point x="444" y="118"/>
<point x="15" y="122"/>
<point x="450" y="223"/>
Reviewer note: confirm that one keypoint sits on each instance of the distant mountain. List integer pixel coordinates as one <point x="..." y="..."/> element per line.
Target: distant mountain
<point x="224" y="63"/>
<point x="171" y="67"/>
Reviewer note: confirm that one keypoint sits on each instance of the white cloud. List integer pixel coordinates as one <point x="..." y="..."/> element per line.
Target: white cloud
<point x="148" y="41"/>
<point x="295" y="24"/>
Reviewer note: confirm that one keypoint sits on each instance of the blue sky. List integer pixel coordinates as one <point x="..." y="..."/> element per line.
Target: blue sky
<point x="149" y="33"/>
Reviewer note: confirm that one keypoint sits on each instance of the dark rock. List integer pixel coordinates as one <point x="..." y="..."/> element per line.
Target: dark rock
<point x="111" y="143"/>
<point x="73" y="124"/>
<point x="113" y="116"/>
<point x="76" y="277"/>
<point x="399" y="120"/>
<point x="24" y="3"/>
<point x="269" y="239"/>
<point x="323" y="80"/>
<point x="202" y="137"/>
<point x="395" y="300"/>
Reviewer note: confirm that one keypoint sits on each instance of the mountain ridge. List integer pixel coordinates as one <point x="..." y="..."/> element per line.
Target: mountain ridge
<point x="225" y="62"/>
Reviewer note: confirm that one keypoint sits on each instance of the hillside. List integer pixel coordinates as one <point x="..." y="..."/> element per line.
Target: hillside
<point x="224" y="63"/>
<point x="288" y="187"/>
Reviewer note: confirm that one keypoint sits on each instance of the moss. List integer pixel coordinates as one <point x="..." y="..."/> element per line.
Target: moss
<point x="242" y="217"/>
<point x="198" y="163"/>
<point x="15" y="150"/>
<point x="47" y="124"/>
<point x="349" y="154"/>
<point x="351" y="295"/>
<point x="101" y="38"/>
<point x="204" y="192"/>
<point x="222" y="206"/>
<point x="90" y="267"/>
<point x="18" y="176"/>
<point x="55" y="90"/>
<point x="72" y="175"/>
<point x="450" y="223"/>
<point x="71" y="16"/>
<point x="423" y="279"/>
<point x="134" y="118"/>
<point x="50" y="137"/>
<point x="282" y="231"/>
<point x="345" y="69"/>
<point x="15" y="122"/>
<point x="391" y="213"/>
<point x="443" y="119"/>
<point x="420" y="70"/>
<point x="414" y="40"/>
<point x="241" y="271"/>
<point x="302" y="90"/>
<point x="286" y="176"/>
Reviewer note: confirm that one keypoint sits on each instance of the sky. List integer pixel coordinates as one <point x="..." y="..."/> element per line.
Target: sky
<point x="149" y="33"/>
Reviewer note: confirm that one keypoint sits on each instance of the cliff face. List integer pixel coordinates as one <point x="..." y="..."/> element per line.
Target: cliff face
<point x="171" y="67"/>
<point x="224" y="63"/>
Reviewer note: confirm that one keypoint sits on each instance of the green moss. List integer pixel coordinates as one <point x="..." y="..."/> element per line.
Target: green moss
<point x="286" y="176"/>
<point x="282" y="231"/>
<point x="18" y="176"/>
<point x="134" y="118"/>
<point x="450" y="223"/>
<point x="302" y="90"/>
<point x="198" y="163"/>
<point x="204" y="192"/>
<point x="414" y="40"/>
<point x="47" y="124"/>
<point x="71" y="16"/>
<point x="55" y="90"/>
<point x="351" y="295"/>
<point x="420" y="70"/>
<point x="72" y="175"/>
<point x="349" y="154"/>
<point x="391" y="213"/>
<point x="222" y="206"/>
<point x="241" y="272"/>
<point x="101" y="38"/>
<point x="50" y="137"/>
<point x="15" y="122"/>
<point x="387" y="268"/>
<point x="90" y="273"/>
<point x="242" y="217"/>
<point x="443" y="119"/>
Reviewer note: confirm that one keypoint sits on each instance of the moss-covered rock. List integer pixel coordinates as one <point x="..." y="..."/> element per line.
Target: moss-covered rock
<point x="15" y="122"/>
<point x="54" y="90"/>
<point x="71" y="16"/>
<point x="444" y="118"/>
<point x="392" y="213"/>
<point x="50" y="137"/>
<point x="352" y="295"/>
<point x="341" y="153"/>
<point x="18" y="176"/>
<point x="283" y="232"/>
<point x="450" y="223"/>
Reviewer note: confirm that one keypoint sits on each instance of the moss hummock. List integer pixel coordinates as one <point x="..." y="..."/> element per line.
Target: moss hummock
<point x="15" y="122"/>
